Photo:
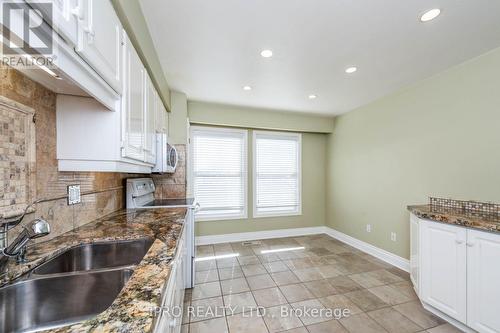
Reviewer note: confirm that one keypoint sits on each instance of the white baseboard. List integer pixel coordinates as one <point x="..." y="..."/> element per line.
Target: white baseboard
<point x="246" y="236"/>
<point x="377" y="252"/>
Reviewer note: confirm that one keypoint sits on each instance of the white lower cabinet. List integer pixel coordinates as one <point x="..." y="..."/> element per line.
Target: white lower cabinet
<point x="414" y="252"/>
<point x="458" y="273"/>
<point x="170" y="318"/>
<point x="444" y="270"/>
<point x="483" y="281"/>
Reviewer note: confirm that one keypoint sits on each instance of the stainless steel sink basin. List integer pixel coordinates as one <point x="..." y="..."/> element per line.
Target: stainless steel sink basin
<point x="46" y="302"/>
<point x="97" y="256"/>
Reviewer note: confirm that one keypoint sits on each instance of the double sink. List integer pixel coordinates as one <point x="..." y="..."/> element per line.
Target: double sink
<point x="76" y="285"/>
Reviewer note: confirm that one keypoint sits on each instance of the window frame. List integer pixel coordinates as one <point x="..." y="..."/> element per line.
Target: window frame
<point x="255" y="213"/>
<point x="244" y="132"/>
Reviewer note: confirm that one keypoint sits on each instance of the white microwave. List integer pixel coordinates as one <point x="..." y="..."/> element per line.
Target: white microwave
<point x="166" y="155"/>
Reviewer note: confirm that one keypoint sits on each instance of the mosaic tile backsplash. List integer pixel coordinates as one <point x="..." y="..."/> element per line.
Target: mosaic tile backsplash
<point x="103" y="193"/>
<point x="487" y="208"/>
<point x="17" y="157"/>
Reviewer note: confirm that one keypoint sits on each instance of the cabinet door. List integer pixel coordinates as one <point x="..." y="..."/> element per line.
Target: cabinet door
<point x="150" y="117"/>
<point x="190" y="249"/>
<point x="443" y="268"/>
<point x="179" y="285"/>
<point x="64" y="16"/>
<point x="99" y="40"/>
<point x="414" y="253"/>
<point x="167" y="320"/>
<point x="483" y="276"/>
<point x="133" y="104"/>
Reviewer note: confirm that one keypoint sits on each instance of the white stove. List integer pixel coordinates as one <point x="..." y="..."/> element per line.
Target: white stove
<point x="140" y="195"/>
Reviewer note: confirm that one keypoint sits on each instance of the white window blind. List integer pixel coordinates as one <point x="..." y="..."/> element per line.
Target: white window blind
<point x="219" y="172"/>
<point x="277" y="174"/>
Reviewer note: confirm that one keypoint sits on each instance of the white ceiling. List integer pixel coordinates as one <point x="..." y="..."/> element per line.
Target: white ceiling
<point x="210" y="49"/>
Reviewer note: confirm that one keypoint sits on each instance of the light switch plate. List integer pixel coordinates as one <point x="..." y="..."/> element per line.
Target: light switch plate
<point x="74" y="196"/>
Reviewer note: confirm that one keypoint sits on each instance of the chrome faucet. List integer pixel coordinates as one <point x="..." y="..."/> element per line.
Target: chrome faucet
<point x="35" y="229"/>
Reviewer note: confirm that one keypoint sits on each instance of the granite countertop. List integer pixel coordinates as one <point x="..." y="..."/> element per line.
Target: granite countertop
<point x="465" y="218"/>
<point x="131" y="310"/>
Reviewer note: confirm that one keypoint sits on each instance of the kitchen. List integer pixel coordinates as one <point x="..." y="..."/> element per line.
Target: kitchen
<point x="222" y="176"/>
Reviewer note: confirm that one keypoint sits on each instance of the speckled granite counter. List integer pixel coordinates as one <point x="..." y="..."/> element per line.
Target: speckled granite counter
<point x="470" y="219"/>
<point x="131" y="310"/>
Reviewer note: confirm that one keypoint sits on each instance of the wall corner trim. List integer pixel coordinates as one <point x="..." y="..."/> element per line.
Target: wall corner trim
<point x="379" y="253"/>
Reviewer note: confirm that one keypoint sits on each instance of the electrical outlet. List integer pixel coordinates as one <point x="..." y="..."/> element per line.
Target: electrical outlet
<point x="74" y="196"/>
<point x="393" y="236"/>
<point x="368" y="228"/>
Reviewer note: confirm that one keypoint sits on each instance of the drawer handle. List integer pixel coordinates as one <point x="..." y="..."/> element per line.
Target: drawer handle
<point x="469" y="244"/>
<point x="77" y="13"/>
<point x="458" y="241"/>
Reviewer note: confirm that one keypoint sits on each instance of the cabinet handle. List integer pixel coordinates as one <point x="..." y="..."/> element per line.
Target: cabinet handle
<point x="77" y="13"/>
<point x="458" y="241"/>
<point x="470" y="244"/>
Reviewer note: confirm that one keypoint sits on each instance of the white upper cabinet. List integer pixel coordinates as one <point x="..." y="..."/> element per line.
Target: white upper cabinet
<point x="443" y="264"/>
<point x="483" y="275"/>
<point x="99" y="40"/>
<point x="150" y="119"/>
<point x="64" y="15"/>
<point x="133" y="106"/>
<point x="121" y="141"/>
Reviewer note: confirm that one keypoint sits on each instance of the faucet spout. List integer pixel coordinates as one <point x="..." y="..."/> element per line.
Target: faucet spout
<point x="35" y="229"/>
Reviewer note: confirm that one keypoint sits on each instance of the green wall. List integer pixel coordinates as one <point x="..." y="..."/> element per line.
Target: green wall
<point x="178" y="119"/>
<point x="240" y="116"/>
<point x="313" y="163"/>
<point x="313" y="195"/>
<point x="440" y="137"/>
<point x="132" y="19"/>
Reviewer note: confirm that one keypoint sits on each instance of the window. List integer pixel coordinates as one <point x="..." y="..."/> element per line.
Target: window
<point x="219" y="172"/>
<point x="277" y="174"/>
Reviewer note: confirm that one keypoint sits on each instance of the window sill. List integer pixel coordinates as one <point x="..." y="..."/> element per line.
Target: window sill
<point x="264" y="215"/>
<point x="220" y="218"/>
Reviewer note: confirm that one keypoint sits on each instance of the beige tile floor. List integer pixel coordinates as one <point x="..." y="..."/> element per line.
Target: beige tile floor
<point x="313" y="272"/>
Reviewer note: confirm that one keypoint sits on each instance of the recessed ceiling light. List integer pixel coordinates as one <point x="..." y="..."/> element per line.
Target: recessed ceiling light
<point x="247" y="88"/>
<point x="351" y="70"/>
<point x="266" y="53"/>
<point x="312" y="96"/>
<point x="430" y="15"/>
